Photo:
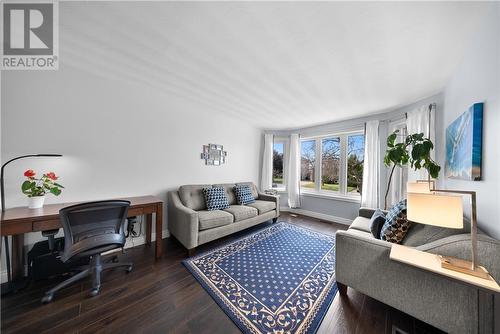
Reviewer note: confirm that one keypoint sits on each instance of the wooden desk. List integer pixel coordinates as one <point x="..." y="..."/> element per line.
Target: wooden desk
<point x="20" y="220"/>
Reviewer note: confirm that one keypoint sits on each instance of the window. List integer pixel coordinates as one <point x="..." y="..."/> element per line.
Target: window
<point x="355" y="159"/>
<point x="307" y="164"/>
<point x="278" y="163"/>
<point x="330" y="164"/>
<point x="333" y="164"/>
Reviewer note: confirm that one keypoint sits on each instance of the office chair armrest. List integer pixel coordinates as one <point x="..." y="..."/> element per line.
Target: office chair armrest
<point x="183" y="222"/>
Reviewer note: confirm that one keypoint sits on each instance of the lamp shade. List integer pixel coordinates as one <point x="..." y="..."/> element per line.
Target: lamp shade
<point x="435" y="209"/>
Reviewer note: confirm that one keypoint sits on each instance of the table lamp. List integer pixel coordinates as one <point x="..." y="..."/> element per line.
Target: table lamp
<point x="440" y="207"/>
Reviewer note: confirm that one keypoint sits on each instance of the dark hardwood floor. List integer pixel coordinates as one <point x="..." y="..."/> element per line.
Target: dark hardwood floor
<point x="162" y="297"/>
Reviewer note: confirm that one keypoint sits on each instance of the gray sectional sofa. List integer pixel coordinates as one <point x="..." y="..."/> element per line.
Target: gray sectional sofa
<point x="192" y="224"/>
<point x="362" y="262"/>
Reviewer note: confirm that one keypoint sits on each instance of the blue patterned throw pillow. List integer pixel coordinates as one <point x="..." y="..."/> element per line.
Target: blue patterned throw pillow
<point x="396" y="224"/>
<point x="215" y="198"/>
<point x="376" y="223"/>
<point x="243" y="194"/>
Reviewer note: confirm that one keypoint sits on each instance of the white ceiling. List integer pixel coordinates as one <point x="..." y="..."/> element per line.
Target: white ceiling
<point x="275" y="65"/>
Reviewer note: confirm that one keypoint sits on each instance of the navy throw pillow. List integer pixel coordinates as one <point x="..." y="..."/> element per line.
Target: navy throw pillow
<point x="396" y="224"/>
<point x="215" y="198"/>
<point x="376" y="223"/>
<point x="243" y="194"/>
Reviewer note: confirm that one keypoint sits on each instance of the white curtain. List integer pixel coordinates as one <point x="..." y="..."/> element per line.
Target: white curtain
<point x="293" y="175"/>
<point x="422" y="120"/>
<point x="397" y="191"/>
<point x="371" y="166"/>
<point x="267" y="163"/>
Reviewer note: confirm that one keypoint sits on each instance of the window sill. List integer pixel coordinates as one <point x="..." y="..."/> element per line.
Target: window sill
<point x="338" y="197"/>
<point x="280" y="190"/>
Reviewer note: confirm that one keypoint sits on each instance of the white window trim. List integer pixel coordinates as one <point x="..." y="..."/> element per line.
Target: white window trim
<point x="285" y="142"/>
<point x="342" y="194"/>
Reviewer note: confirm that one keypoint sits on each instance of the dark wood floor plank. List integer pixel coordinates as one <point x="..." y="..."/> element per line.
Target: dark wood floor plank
<point x="374" y="316"/>
<point x="343" y="315"/>
<point x="163" y="297"/>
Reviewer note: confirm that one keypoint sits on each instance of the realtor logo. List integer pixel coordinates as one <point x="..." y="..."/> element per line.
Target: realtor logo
<point x="29" y="36"/>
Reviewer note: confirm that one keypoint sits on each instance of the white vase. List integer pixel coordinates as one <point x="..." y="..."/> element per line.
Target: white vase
<point x="36" y="202"/>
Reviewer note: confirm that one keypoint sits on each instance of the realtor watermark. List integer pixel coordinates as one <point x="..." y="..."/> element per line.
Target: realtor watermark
<point x="30" y="35"/>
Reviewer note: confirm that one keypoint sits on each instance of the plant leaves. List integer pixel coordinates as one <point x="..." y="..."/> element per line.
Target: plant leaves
<point x="55" y="191"/>
<point x="26" y="186"/>
<point x="391" y="139"/>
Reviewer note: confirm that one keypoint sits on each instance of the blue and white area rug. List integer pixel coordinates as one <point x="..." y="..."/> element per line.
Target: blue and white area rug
<point x="278" y="280"/>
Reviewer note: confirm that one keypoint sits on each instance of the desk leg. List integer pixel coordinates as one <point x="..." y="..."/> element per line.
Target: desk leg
<point x="149" y="225"/>
<point x="159" y="230"/>
<point x="17" y="257"/>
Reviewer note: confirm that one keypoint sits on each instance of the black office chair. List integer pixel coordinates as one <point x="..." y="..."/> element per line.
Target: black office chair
<point x="89" y="230"/>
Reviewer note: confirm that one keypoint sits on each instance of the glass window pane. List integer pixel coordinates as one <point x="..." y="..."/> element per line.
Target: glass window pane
<point x="355" y="158"/>
<point x="307" y="162"/>
<point x="330" y="164"/>
<point x="278" y="151"/>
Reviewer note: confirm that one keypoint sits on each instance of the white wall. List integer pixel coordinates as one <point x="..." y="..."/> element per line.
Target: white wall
<point x="477" y="79"/>
<point x="117" y="139"/>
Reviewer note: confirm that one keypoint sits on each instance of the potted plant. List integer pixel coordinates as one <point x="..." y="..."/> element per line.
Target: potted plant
<point x="36" y="189"/>
<point x="398" y="154"/>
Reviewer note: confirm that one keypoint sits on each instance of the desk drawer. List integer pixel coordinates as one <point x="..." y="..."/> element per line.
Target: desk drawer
<point x="135" y="212"/>
<point x="16" y="228"/>
<point x="44" y="225"/>
<point x="144" y="210"/>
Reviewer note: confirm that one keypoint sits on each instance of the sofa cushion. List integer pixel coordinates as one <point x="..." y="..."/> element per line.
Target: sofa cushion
<point x="215" y="198"/>
<point x="192" y="196"/>
<point x="242" y="212"/>
<point x="396" y="224"/>
<point x="243" y="194"/>
<point x="361" y="224"/>
<point x="253" y="188"/>
<point x="376" y="223"/>
<point x="263" y="206"/>
<point x="215" y="218"/>
<point x="231" y="198"/>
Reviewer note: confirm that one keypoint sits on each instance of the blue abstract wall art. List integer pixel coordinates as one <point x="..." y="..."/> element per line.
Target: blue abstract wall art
<point x="464" y="145"/>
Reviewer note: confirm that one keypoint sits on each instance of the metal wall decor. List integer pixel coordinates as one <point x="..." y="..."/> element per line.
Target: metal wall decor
<point x="214" y="154"/>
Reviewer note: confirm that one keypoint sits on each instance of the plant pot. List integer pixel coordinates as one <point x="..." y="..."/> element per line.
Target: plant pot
<point x="36" y="202"/>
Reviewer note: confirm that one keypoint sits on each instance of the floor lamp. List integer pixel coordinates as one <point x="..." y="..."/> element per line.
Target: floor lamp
<point x="12" y="286"/>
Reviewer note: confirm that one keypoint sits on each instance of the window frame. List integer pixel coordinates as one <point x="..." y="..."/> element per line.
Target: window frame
<point x="342" y="193"/>
<point x="284" y="141"/>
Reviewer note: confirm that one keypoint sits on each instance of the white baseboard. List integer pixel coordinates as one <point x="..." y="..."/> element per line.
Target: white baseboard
<point x="131" y="242"/>
<point x="317" y="215"/>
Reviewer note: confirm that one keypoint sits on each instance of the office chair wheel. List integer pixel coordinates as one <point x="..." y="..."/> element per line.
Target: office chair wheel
<point x="47" y="298"/>
<point x="95" y="291"/>
<point x="129" y="268"/>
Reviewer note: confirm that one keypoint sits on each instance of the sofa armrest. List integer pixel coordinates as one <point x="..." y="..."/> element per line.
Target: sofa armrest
<point x="271" y="198"/>
<point x="363" y="263"/>
<point x="182" y="221"/>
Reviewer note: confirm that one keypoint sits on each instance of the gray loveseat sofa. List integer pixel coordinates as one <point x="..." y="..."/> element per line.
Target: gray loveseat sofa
<point x="192" y="224"/>
<point x="362" y="262"/>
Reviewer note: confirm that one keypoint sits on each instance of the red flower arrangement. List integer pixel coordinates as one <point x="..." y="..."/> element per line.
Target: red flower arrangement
<point x="39" y="187"/>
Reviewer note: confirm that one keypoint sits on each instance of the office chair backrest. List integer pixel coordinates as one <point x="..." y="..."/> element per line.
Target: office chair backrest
<point x="93" y="226"/>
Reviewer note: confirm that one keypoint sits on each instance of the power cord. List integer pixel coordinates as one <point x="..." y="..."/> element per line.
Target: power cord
<point x="131" y="228"/>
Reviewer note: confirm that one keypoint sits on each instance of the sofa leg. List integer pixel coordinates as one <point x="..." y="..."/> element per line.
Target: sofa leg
<point x="275" y="220"/>
<point x="191" y="252"/>
<point x="342" y="289"/>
